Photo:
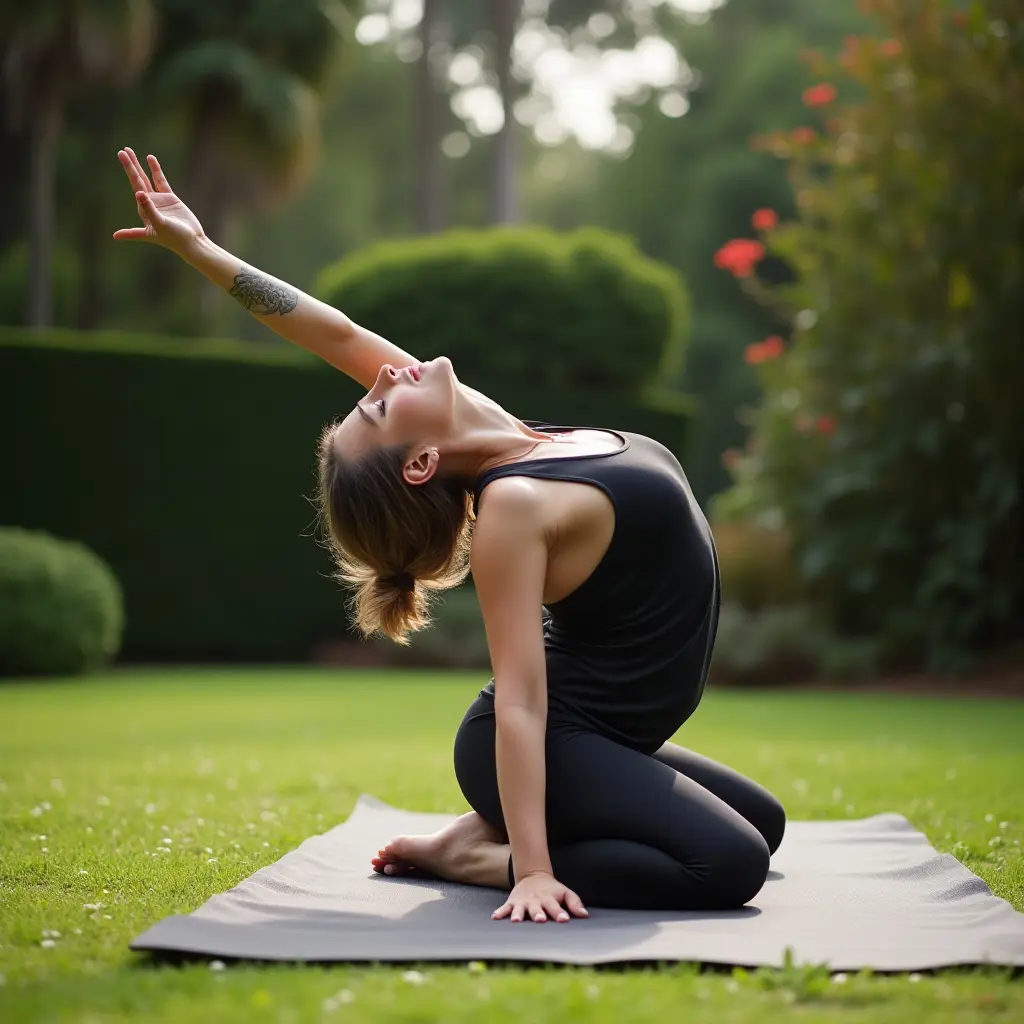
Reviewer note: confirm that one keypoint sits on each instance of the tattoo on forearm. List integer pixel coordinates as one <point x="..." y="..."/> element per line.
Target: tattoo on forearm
<point x="261" y="294"/>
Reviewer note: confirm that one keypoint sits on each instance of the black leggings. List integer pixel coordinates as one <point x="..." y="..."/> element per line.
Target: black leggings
<point x="671" y="831"/>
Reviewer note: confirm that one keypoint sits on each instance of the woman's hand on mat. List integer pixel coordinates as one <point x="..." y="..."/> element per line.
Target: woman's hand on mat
<point x="540" y="897"/>
<point x="168" y="221"/>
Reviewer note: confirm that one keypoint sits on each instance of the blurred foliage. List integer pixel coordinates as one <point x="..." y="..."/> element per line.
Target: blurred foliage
<point x="757" y="566"/>
<point x="159" y="453"/>
<point x="779" y="645"/>
<point x="583" y="310"/>
<point x="61" y="607"/>
<point x="890" y="440"/>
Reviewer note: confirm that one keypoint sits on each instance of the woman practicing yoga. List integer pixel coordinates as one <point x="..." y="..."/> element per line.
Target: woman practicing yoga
<point x="598" y="581"/>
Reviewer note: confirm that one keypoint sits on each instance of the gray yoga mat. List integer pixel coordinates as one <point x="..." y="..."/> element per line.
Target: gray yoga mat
<point x="864" y="893"/>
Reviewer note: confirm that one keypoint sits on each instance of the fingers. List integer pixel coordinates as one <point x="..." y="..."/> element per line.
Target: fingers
<point x="503" y="911"/>
<point x="131" y="235"/>
<point x="575" y="904"/>
<point x="148" y="211"/>
<point x="159" y="177"/>
<point x="554" y="909"/>
<point x="142" y="181"/>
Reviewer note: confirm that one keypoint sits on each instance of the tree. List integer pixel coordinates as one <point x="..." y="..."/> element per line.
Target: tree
<point x="248" y="81"/>
<point x="53" y="49"/>
<point x="430" y="211"/>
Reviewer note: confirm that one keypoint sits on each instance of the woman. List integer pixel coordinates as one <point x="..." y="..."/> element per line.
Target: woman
<point x="598" y="582"/>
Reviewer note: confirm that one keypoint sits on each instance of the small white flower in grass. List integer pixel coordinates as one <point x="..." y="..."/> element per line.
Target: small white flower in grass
<point x="46" y="805"/>
<point x="44" y="849"/>
<point x="82" y="871"/>
<point x="150" y="808"/>
<point x="57" y="785"/>
<point x="345" y="996"/>
<point x="800" y="785"/>
<point x="1004" y="825"/>
<point x="47" y="943"/>
<point x="990" y="817"/>
<point x="591" y="991"/>
<point x="837" y="794"/>
<point x="839" y="979"/>
<point x="476" y="966"/>
<point x="200" y="821"/>
<point x="103" y="801"/>
<point x="78" y="931"/>
<point x="216" y="965"/>
<point x="849" y="808"/>
<point x="914" y="978"/>
<point x="266" y="844"/>
<point x="88" y="828"/>
<point x="994" y="841"/>
<point x="732" y="986"/>
<point x="40" y="839"/>
<point x="211" y="860"/>
<point x="36" y="812"/>
<point x="107" y="917"/>
<point x="167" y="841"/>
<point x="165" y="828"/>
<point x="329" y="1005"/>
<point x="414" y="978"/>
<point x="50" y="934"/>
<point x="208" y="849"/>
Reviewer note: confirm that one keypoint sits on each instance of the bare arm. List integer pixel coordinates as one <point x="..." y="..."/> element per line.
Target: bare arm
<point x="295" y="316"/>
<point x="509" y="563"/>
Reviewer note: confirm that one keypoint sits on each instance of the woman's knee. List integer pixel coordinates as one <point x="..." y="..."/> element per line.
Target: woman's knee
<point x="740" y="870"/>
<point x="773" y="823"/>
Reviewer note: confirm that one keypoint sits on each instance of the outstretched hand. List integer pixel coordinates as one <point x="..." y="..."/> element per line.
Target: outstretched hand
<point x="168" y="221"/>
<point x="540" y="897"/>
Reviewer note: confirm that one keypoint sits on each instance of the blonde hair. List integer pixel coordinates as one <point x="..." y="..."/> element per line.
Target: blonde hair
<point x="395" y="544"/>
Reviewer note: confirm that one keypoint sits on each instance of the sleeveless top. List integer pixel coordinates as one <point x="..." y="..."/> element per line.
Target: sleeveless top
<point x="628" y="651"/>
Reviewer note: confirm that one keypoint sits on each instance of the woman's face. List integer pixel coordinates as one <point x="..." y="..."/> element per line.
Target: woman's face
<point x="408" y="406"/>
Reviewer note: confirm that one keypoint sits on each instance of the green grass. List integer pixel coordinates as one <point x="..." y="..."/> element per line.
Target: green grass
<point x="156" y="789"/>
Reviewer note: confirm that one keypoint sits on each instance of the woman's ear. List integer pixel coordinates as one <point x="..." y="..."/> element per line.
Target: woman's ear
<point x="420" y="466"/>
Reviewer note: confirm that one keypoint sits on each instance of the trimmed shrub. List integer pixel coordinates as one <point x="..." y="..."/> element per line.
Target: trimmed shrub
<point x="61" y="607"/>
<point x="584" y="310"/>
<point x="187" y="465"/>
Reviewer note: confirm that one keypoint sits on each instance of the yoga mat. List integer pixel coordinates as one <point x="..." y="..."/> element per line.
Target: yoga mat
<point x="853" y="894"/>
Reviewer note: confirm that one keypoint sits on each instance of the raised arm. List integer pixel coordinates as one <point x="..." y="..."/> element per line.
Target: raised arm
<point x="297" y="317"/>
<point x="509" y="563"/>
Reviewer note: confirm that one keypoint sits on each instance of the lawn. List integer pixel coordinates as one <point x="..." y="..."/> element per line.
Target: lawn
<point x="139" y="794"/>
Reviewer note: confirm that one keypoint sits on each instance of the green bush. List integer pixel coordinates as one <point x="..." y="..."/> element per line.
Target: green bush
<point x="890" y="439"/>
<point x="187" y="466"/>
<point x="757" y="566"/>
<point x="61" y="608"/>
<point x="584" y="310"/>
<point x="779" y="645"/>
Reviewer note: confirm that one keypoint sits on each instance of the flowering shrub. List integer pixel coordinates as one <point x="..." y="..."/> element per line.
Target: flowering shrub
<point x="890" y="439"/>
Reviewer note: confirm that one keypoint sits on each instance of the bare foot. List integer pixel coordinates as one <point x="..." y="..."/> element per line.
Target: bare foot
<point x="468" y="850"/>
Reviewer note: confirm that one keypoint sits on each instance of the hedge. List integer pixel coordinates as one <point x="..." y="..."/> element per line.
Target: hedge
<point x="187" y="466"/>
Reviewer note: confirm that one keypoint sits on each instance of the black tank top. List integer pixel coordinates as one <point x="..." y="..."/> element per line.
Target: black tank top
<point x="628" y="651"/>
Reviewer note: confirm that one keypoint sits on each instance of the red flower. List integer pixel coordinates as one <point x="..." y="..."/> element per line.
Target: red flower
<point x="827" y="424"/>
<point x="764" y="219"/>
<point x="803" y="136"/>
<point x="763" y="351"/>
<point x="820" y="95"/>
<point x="739" y="256"/>
<point x="891" y="48"/>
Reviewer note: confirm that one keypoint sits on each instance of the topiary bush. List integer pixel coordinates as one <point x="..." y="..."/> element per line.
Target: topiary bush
<point x="583" y="310"/>
<point x="61" y="608"/>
